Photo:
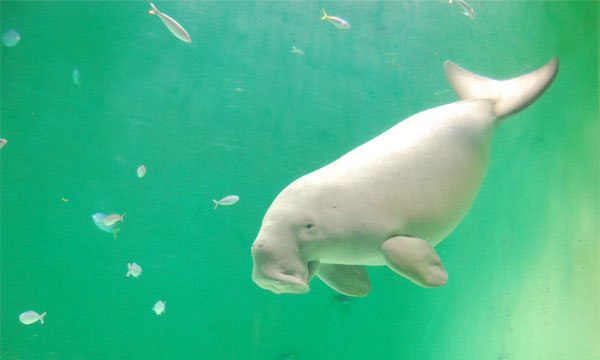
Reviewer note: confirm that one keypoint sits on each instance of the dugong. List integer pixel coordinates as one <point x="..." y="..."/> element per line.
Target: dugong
<point x="392" y="199"/>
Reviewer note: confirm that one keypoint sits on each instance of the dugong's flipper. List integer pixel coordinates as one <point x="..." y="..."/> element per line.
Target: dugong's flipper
<point x="509" y="96"/>
<point x="351" y="280"/>
<point x="414" y="259"/>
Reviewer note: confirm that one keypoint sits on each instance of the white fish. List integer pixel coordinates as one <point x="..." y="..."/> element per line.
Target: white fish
<point x="159" y="307"/>
<point x="133" y="270"/>
<point x="98" y="217"/>
<point x="141" y="170"/>
<point x="297" y="51"/>
<point x="2" y="143"/>
<point x="227" y="200"/>
<point x="467" y="9"/>
<point x="76" y="76"/>
<point x="11" y="38"/>
<point x="112" y="219"/>
<point x="29" y="317"/>
<point x="338" y="22"/>
<point x="171" y="24"/>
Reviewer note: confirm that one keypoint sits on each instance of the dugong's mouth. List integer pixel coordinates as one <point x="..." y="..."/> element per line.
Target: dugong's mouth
<point x="280" y="283"/>
<point x="280" y="287"/>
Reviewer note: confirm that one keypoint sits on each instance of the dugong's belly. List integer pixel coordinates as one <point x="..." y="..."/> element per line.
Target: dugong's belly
<point x="417" y="179"/>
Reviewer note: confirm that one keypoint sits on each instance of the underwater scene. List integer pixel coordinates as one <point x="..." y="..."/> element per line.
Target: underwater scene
<point x="188" y="180"/>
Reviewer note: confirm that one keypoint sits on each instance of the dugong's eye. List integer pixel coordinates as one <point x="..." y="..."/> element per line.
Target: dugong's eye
<point x="309" y="226"/>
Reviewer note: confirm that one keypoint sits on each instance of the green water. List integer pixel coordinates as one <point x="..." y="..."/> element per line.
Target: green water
<point x="235" y="112"/>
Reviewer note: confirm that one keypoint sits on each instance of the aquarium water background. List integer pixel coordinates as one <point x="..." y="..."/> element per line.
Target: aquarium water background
<point x="236" y="112"/>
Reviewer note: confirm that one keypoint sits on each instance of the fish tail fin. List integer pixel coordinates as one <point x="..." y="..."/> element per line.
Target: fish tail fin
<point x="42" y="317"/>
<point x="128" y="269"/>
<point x="216" y="203"/>
<point x="325" y="16"/>
<point x="154" y="10"/>
<point x="123" y="216"/>
<point x="509" y="96"/>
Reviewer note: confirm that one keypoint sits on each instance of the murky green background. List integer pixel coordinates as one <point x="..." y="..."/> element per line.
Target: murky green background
<point x="235" y="112"/>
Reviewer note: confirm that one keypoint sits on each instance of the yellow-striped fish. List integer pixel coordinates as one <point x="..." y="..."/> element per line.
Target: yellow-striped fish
<point x="338" y="22"/>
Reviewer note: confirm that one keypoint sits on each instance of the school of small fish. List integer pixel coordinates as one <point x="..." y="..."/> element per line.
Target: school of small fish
<point x="111" y="223"/>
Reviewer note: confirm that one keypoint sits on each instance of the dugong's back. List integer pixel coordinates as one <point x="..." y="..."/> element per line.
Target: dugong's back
<point x="420" y="177"/>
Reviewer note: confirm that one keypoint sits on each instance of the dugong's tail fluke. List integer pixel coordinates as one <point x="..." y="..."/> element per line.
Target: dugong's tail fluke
<point x="510" y="96"/>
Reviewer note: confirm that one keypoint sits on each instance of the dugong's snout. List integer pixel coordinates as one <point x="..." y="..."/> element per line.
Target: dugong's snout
<point x="279" y="286"/>
<point x="276" y="272"/>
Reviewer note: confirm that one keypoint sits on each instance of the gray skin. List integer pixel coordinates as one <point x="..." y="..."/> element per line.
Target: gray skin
<point x="392" y="199"/>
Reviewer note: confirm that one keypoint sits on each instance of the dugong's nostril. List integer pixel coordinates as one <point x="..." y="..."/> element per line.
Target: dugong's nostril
<point x="259" y="244"/>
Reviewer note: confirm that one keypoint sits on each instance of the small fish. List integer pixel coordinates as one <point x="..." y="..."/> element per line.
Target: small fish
<point x="338" y="22"/>
<point x="171" y="24"/>
<point x="29" y="317"/>
<point x="76" y="76"/>
<point x="11" y="38"/>
<point x="98" y="218"/>
<point x="467" y="9"/>
<point x="297" y="51"/>
<point x="112" y="219"/>
<point x="141" y="171"/>
<point x="227" y="200"/>
<point x="64" y="199"/>
<point x="2" y="143"/>
<point x="133" y="270"/>
<point x="159" y="307"/>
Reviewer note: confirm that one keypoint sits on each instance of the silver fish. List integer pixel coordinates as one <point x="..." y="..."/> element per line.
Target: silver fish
<point x="297" y="51"/>
<point x="338" y="22"/>
<point x="141" y="171"/>
<point x="171" y="24"/>
<point x="76" y="76"/>
<point x="227" y="200"/>
<point x="112" y="219"/>
<point x="467" y="9"/>
<point x="133" y="270"/>
<point x="159" y="307"/>
<point x="11" y="38"/>
<point x="29" y="317"/>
